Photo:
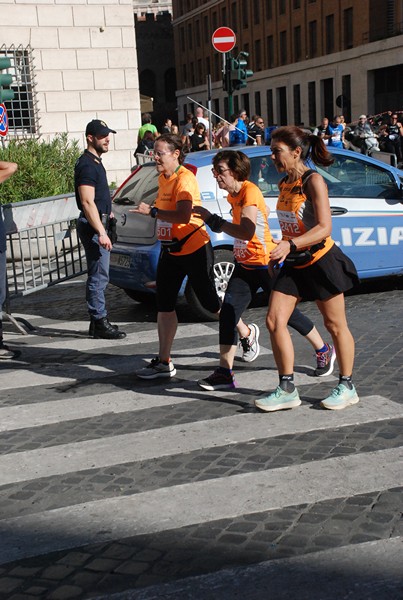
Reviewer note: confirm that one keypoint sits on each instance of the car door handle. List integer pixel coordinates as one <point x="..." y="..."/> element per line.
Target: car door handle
<point x="338" y="210"/>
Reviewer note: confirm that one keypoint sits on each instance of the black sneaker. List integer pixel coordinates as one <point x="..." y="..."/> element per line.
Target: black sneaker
<point x="217" y="381"/>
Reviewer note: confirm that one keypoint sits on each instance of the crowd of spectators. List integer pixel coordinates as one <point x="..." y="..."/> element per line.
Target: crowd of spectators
<point x="367" y="134"/>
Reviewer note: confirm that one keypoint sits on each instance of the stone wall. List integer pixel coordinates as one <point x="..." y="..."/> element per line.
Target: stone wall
<point x="85" y="63"/>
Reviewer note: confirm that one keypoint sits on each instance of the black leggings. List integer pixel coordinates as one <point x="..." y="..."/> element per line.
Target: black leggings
<point x="243" y="284"/>
<point x="198" y="267"/>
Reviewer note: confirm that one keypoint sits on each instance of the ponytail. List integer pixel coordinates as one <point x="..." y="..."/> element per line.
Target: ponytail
<point x="312" y="146"/>
<point x="318" y="152"/>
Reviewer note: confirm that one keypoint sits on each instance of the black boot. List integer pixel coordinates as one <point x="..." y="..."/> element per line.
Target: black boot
<point x="91" y="331"/>
<point x="102" y="329"/>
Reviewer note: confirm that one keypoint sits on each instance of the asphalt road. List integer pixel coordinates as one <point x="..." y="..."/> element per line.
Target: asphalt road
<point x="113" y="487"/>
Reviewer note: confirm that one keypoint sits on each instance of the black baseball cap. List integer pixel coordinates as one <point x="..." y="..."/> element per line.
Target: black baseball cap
<point x="97" y="127"/>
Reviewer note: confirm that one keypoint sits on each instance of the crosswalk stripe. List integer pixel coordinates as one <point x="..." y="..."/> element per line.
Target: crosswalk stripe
<point x="59" y="372"/>
<point x="86" y="343"/>
<point x="197" y="502"/>
<point x="176" y="439"/>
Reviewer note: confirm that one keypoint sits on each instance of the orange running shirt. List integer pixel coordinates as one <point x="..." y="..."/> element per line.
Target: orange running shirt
<point x="182" y="185"/>
<point x="296" y="215"/>
<point x="256" y="251"/>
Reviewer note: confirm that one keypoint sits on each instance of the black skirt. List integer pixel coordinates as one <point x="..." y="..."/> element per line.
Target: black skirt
<point x="332" y="274"/>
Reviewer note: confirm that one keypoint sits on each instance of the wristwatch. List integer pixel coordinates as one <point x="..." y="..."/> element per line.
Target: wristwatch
<point x="153" y="212"/>
<point x="293" y="247"/>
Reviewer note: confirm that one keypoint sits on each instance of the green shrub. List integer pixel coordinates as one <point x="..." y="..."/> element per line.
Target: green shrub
<point x="44" y="168"/>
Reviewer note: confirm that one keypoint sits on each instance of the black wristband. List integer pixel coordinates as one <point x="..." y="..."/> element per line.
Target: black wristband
<point x="215" y="222"/>
<point x="293" y="247"/>
<point x="153" y="212"/>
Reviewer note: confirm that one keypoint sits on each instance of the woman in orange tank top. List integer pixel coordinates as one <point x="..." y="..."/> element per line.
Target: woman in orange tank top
<point x="252" y="246"/>
<point x="314" y="268"/>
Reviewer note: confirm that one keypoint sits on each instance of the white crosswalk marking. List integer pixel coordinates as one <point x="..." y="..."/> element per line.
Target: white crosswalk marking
<point x="49" y="401"/>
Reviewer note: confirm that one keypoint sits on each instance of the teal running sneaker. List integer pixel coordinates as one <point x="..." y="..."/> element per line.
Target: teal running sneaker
<point x="340" y="397"/>
<point x="278" y="400"/>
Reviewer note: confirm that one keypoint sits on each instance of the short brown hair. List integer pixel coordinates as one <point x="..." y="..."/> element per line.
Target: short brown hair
<point x="237" y="161"/>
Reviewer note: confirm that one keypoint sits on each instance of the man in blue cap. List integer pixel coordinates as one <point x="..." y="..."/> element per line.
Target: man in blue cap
<point x="94" y="201"/>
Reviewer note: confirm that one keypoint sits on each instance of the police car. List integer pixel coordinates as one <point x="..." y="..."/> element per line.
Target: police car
<point x="366" y="199"/>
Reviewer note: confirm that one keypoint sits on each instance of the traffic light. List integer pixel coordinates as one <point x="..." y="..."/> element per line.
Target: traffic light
<point x="5" y="81"/>
<point x="241" y="73"/>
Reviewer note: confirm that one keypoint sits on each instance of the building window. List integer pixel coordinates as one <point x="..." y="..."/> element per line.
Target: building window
<point x="224" y="15"/>
<point x="270" y="52"/>
<point x="281" y="7"/>
<point x="185" y="76"/>
<point x="270" y="108"/>
<point x="198" y="34"/>
<point x="233" y="14"/>
<point x="245" y="103"/>
<point x="217" y="73"/>
<point x="312" y="103"/>
<point x="297" y="4"/>
<point x="346" y="92"/>
<point x="313" y="39"/>
<point x="297" y="104"/>
<point x="206" y="30"/>
<point x="245" y="15"/>
<point x="215" y="21"/>
<point x="22" y="111"/>
<point x="200" y="71"/>
<point x="297" y="43"/>
<point x="182" y="39"/>
<point x="258" y="104"/>
<point x="283" y="47"/>
<point x="258" y="55"/>
<point x="269" y="9"/>
<point x="256" y="12"/>
<point x="192" y="74"/>
<point x="348" y="28"/>
<point x="190" y="36"/>
<point x="329" y="34"/>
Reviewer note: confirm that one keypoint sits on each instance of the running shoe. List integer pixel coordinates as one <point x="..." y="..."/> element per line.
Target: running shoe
<point x="340" y="397"/>
<point x="279" y="400"/>
<point x="157" y="369"/>
<point x="325" y="361"/>
<point x="250" y="345"/>
<point x="217" y="381"/>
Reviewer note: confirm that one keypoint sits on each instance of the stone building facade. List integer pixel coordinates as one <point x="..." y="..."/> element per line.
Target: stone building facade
<point x="306" y="55"/>
<point x="82" y="63"/>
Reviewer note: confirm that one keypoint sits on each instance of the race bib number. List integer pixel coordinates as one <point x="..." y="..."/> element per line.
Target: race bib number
<point x="164" y="231"/>
<point x="241" y="252"/>
<point x="288" y="223"/>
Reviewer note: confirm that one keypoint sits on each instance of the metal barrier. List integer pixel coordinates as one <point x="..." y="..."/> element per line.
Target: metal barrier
<point x="43" y="248"/>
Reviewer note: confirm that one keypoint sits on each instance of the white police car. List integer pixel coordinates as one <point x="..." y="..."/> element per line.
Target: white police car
<point x="366" y="199"/>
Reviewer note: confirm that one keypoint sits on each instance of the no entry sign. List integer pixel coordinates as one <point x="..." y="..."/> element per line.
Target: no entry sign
<point x="223" y="39"/>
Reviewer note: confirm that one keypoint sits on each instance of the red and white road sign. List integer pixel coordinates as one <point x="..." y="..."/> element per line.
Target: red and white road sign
<point x="223" y="39"/>
<point x="3" y="120"/>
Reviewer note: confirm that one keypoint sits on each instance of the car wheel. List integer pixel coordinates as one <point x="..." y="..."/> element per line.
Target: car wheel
<point x="223" y="267"/>
<point x="143" y="297"/>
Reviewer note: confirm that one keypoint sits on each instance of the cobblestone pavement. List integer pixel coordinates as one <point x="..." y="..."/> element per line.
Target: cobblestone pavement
<point x="109" y="483"/>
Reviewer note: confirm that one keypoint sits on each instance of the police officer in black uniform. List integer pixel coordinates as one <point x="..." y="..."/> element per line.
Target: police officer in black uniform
<point x="94" y="201"/>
